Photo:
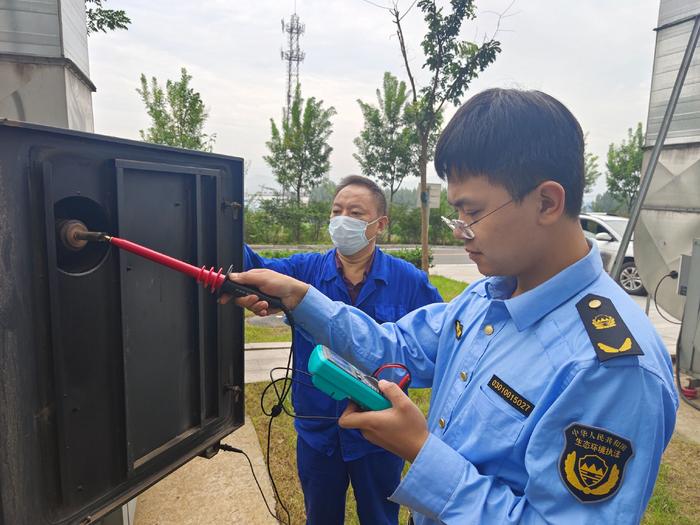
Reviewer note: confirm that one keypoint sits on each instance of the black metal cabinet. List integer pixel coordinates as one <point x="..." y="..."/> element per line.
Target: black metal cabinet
<point x="114" y="371"/>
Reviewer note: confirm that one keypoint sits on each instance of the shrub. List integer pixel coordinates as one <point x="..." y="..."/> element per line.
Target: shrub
<point x="412" y="255"/>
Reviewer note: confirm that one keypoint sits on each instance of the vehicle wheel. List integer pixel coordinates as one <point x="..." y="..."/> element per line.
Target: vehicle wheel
<point x="629" y="279"/>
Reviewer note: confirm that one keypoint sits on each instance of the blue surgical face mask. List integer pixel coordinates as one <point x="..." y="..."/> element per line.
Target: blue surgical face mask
<point x="348" y="234"/>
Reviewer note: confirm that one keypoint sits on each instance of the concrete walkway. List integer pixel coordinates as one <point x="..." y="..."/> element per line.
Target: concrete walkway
<point x="260" y="359"/>
<point x="220" y="490"/>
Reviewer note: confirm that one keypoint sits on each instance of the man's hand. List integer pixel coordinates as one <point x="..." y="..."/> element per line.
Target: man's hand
<point x="401" y="429"/>
<point x="289" y="290"/>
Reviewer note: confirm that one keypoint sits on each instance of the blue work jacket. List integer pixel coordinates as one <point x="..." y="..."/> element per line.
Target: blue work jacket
<point x="553" y="406"/>
<point x="392" y="288"/>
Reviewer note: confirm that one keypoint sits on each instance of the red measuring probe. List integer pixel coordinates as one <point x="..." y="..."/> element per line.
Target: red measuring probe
<point x="404" y="382"/>
<point x="212" y="279"/>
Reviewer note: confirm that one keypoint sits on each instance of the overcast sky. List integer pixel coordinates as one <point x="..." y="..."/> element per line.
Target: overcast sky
<point x="595" y="56"/>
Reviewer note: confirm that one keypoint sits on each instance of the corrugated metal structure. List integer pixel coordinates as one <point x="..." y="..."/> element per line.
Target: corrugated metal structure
<point x="44" y="65"/>
<point x="670" y="216"/>
<point x="672" y="35"/>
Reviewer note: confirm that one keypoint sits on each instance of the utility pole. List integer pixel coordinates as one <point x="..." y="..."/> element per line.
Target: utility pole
<point x="293" y="55"/>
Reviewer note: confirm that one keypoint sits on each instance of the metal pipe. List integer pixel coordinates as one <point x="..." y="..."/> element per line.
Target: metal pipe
<point x="656" y="151"/>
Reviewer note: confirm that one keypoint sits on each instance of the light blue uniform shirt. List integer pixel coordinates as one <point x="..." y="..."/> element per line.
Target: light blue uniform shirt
<point x="486" y="461"/>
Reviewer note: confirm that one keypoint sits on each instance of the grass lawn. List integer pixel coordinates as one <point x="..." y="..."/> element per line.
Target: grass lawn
<point x="283" y="451"/>
<point x="266" y="334"/>
<point x="448" y="288"/>
<point x="675" y="500"/>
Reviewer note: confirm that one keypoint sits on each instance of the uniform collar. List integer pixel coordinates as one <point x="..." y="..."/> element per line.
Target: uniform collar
<point x="379" y="270"/>
<point x="533" y="305"/>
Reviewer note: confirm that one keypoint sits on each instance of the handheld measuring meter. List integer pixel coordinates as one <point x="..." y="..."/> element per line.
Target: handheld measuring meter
<point x="334" y="376"/>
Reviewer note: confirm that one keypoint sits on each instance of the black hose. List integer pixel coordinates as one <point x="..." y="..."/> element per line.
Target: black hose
<point x="673" y="275"/>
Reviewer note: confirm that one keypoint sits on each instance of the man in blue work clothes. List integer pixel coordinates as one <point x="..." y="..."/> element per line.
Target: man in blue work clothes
<point x="386" y="288"/>
<point x="553" y="396"/>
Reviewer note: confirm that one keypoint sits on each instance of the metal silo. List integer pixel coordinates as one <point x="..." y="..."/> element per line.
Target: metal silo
<point x="44" y="67"/>
<point x="670" y="216"/>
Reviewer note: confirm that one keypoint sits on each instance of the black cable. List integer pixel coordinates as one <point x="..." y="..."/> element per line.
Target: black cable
<point x="269" y="473"/>
<point x="678" y="375"/>
<point x="278" y="408"/>
<point x="229" y="448"/>
<point x="673" y="275"/>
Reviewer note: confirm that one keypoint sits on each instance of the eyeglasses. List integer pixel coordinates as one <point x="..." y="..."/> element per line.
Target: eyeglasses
<point x="464" y="229"/>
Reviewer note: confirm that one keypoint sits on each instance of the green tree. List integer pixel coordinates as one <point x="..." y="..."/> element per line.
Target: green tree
<point x="316" y="215"/>
<point x="451" y="64"/>
<point x="388" y="147"/>
<point x="177" y="114"/>
<point x="406" y="220"/>
<point x="591" y="171"/>
<point x="323" y="193"/>
<point x="299" y="150"/>
<point x="605" y="203"/>
<point x="100" y="19"/>
<point x="625" y="166"/>
<point x="407" y="197"/>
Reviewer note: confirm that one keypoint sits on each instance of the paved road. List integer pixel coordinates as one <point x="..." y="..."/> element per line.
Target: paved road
<point x="450" y="255"/>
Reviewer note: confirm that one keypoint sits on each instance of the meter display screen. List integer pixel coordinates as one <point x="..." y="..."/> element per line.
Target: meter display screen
<point x="342" y="363"/>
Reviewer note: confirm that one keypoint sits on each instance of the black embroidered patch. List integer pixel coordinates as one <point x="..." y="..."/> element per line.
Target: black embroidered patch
<point x="593" y="462"/>
<point x="459" y="329"/>
<point x="606" y="329"/>
<point x="512" y="397"/>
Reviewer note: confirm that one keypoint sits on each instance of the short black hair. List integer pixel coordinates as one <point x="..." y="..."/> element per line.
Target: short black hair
<point x="516" y="139"/>
<point x="359" y="180"/>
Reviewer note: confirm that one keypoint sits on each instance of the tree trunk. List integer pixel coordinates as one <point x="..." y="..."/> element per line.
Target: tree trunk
<point x="388" y="214"/>
<point x="424" y="202"/>
<point x="297" y="216"/>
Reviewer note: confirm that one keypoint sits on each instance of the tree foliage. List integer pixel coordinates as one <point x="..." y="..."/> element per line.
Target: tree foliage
<point x="625" y="166"/>
<point x="387" y="147"/>
<point x="282" y="221"/>
<point x="591" y="171"/>
<point x="452" y="64"/>
<point x="323" y="192"/>
<point x="605" y="203"/>
<point x="177" y="114"/>
<point x="407" y="220"/>
<point x="101" y="19"/>
<point x="299" y="150"/>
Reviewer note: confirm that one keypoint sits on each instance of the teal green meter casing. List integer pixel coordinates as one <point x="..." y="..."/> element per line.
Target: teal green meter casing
<point x="334" y="376"/>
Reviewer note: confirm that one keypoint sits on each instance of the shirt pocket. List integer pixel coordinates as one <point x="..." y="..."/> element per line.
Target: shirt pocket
<point x="389" y="313"/>
<point x="487" y="431"/>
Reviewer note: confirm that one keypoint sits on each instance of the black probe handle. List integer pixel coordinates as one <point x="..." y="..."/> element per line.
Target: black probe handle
<point x="239" y="290"/>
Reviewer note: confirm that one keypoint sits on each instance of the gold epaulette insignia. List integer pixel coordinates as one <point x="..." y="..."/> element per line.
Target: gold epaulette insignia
<point x="601" y="322"/>
<point x="606" y="329"/>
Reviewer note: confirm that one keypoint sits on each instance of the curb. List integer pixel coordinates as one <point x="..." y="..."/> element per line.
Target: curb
<point x="284" y="345"/>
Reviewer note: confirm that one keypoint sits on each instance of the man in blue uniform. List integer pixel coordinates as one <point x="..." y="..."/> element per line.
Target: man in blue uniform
<point x="384" y="287"/>
<point x="553" y="397"/>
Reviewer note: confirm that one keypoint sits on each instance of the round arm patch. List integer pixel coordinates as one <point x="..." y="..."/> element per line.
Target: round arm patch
<point x="593" y="462"/>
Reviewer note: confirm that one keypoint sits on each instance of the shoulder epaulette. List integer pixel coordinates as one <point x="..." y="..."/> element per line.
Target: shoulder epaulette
<point x="606" y="329"/>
